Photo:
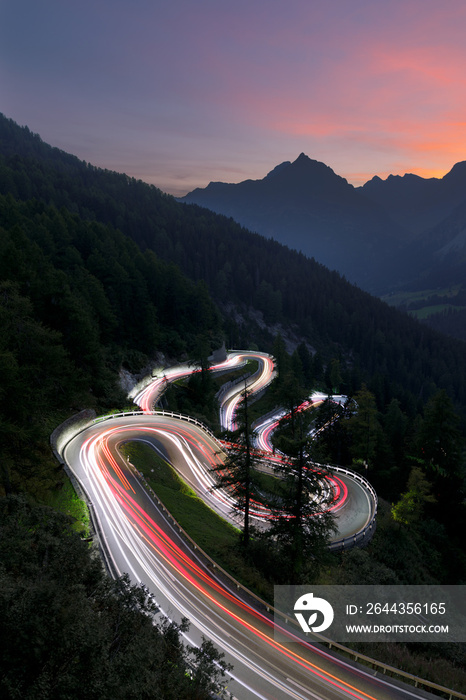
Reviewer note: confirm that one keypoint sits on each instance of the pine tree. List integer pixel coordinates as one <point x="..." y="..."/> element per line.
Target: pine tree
<point x="409" y="509"/>
<point x="440" y="441"/>
<point x="237" y="472"/>
<point x="364" y="428"/>
<point x="302" y="522"/>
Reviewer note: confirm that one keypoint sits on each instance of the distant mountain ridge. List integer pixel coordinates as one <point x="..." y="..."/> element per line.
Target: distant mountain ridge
<point x="419" y="203"/>
<point x="306" y="206"/>
<point x="377" y="235"/>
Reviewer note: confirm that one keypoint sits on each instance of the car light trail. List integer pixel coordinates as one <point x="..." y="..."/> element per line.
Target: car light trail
<point x="145" y="545"/>
<point x="139" y="541"/>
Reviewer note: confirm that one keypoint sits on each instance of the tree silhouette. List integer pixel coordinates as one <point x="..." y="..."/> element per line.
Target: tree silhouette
<point x="237" y="472"/>
<point x="302" y="523"/>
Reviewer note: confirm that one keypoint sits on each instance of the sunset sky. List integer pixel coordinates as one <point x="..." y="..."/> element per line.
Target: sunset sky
<point x="182" y="92"/>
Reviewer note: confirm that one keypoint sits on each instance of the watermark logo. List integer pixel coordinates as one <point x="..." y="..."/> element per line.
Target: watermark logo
<point x="308" y="604"/>
<point x="365" y="613"/>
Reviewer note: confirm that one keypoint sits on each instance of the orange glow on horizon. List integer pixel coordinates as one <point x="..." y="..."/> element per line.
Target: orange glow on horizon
<point x="358" y="179"/>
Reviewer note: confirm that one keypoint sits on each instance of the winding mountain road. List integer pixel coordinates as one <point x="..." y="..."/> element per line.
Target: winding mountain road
<point x="139" y="538"/>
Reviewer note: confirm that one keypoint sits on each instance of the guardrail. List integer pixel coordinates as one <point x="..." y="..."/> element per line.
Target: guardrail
<point x="264" y="606"/>
<point x="155" y="412"/>
<point x="161" y="412"/>
<point x="368" y="530"/>
<point x="362" y="535"/>
<point x="228" y="385"/>
<point x="275" y="412"/>
<point x="258" y="394"/>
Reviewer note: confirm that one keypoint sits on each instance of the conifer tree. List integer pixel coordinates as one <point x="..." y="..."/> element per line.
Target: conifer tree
<point x="409" y="509"/>
<point x="364" y="428"/>
<point x="237" y="472"/>
<point x="440" y="442"/>
<point x="302" y="522"/>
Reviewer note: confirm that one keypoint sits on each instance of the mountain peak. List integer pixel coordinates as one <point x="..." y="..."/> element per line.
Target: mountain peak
<point x="304" y="161"/>
<point x="304" y="173"/>
<point x="457" y="171"/>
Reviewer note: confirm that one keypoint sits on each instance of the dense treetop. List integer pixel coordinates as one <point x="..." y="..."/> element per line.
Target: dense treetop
<point x="79" y="300"/>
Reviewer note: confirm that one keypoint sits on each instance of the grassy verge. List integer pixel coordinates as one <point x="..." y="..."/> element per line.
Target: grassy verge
<point x="67" y="501"/>
<point x="217" y="538"/>
<point x="269" y="484"/>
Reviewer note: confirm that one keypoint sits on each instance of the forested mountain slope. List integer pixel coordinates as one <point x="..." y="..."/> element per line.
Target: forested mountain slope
<point x="396" y="236"/>
<point x="393" y="353"/>
<point x="79" y="300"/>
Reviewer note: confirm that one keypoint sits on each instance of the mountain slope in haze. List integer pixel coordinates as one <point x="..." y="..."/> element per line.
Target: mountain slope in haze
<point x="389" y="236"/>
<point x="416" y="203"/>
<point x="433" y="212"/>
<point x="432" y="267"/>
<point x="442" y="250"/>
<point x="306" y="206"/>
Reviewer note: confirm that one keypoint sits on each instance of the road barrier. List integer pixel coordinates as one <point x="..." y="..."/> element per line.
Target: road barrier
<point x="365" y="534"/>
<point x="263" y="606"/>
<point x="159" y="412"/>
